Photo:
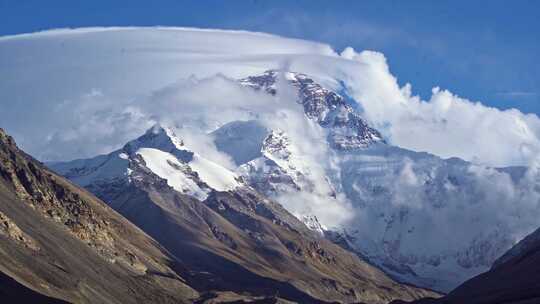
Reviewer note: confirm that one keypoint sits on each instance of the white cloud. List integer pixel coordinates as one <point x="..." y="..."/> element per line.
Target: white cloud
<point x="446" y="124"/>
<point x="49" y="80"/>
<point x="518" y="94"/>
<point x="50" y="77"/>
<point x="430" y="214"/>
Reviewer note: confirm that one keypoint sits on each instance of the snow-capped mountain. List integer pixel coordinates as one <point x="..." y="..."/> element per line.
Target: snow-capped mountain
<point x="210" y="218"/>
<point x="275" y="170"/>
<point x="162" y="152"/>
<point x="347" y="130"/>
<point x="425" y="220"/>
<point x="420" y="218"/>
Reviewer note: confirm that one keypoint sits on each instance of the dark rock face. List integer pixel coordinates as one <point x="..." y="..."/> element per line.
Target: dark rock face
<point x="347" y="130"/>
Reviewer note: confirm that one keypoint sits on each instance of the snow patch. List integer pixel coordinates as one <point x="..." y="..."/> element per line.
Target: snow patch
<point x="216" y="176"/>
<point x="166" y="166"/>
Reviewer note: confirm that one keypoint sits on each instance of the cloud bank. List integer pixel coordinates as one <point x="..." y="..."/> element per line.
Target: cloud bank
<point x="64" y="93"/>
<point x="446" y="124"/>
<point x="74" y="93"/>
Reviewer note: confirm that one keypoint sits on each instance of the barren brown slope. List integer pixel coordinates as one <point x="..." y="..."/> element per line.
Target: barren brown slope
<point x="247" y="243"/>
<point x="59" y="242"/>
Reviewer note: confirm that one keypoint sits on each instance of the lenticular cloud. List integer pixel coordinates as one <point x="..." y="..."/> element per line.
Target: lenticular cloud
<point x="74" y="93"/>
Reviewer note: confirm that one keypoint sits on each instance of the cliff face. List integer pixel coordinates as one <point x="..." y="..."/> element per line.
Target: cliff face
<point x="57" y="241"/>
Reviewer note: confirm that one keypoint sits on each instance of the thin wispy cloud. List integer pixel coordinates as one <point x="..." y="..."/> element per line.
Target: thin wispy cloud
<point x="517" y="94"/>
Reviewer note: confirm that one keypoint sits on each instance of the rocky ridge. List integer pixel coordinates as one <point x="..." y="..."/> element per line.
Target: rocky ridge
<point x="347" y="130"/>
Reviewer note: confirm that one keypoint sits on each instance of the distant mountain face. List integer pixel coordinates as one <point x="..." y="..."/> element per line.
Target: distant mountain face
<point x="514" y="278"/>
<point x="421" y="218"/>
<point x="424" y="220"/>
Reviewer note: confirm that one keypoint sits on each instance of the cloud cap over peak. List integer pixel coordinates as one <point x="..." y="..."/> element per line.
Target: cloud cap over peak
<point x="87" y="86"/>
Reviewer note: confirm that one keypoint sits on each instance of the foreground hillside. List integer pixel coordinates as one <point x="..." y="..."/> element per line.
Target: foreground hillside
<point x="61" y="242"/>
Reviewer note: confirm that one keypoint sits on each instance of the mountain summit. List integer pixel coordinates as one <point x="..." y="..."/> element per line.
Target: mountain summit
<point x="347" y="129"/>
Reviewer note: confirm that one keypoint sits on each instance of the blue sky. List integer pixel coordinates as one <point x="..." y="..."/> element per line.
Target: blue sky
<point x="479" y="50"/>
